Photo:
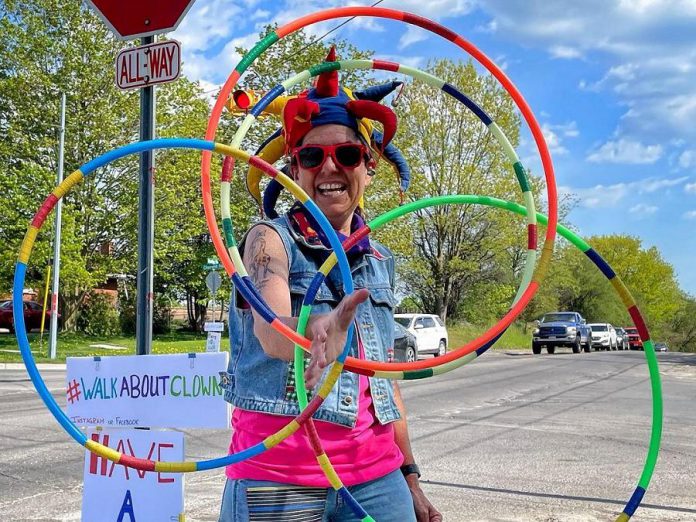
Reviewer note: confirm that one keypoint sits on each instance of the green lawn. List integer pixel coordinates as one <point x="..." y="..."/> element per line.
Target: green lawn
<point x="514" y="338"/>
<point x="78" y="345"/>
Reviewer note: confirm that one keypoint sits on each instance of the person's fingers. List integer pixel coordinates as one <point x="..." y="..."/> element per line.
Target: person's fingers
<point x="348" y="306"/>
<point x="312" y="375"/>
<point x="318" y="345"/>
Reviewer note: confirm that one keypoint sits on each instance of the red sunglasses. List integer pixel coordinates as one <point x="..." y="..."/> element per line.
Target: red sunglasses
<point x="347" y="155"/>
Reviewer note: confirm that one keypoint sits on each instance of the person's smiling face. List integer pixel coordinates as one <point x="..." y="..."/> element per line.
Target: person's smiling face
<point x="334" y="188"/>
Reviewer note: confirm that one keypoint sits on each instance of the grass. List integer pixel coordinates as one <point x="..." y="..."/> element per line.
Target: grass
<point x="80" y="345"/>
<point x="514" y="338"/>
<point x="72" y="344"/>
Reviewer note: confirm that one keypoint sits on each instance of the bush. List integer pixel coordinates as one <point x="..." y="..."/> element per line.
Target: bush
<point x="161" y="317"/>
<point x="98" y="316"/>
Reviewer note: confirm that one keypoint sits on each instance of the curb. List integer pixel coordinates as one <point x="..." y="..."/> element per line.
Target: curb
<point x="40" y="366"/>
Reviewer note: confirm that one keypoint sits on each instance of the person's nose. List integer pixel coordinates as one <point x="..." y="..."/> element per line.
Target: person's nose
<point x="330" y="164"/>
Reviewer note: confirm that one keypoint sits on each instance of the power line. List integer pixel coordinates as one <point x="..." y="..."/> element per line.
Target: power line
<point x="334" y="29"/>
<point x="317" y="40"/>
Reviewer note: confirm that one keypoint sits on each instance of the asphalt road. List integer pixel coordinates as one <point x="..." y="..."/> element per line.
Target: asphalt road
<point x="510" y="437"/>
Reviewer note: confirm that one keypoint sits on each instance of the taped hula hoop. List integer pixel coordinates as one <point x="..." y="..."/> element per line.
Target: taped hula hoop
<point x="228" y="260"/>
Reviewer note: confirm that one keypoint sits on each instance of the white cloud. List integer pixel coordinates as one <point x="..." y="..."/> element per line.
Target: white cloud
<point x="687" y="159"/>
<point x="555" y="134"/>
<point x="208" y="22"/>
<point x="690" y="188"/>
<point x="691" y="214"/>
<point x="412" y="35"/>
<point x="626" y="151"/>
<point x="642" y="208"/>
<point x="562" y="51"/>
<point x="607" y="196"/>
<point x="649" y="46"/>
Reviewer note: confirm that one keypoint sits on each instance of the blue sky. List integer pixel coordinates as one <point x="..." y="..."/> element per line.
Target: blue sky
<point x="612" y="83"/>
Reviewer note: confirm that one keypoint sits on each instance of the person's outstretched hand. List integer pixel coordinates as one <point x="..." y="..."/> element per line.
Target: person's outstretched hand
<point x="329" y="332"/>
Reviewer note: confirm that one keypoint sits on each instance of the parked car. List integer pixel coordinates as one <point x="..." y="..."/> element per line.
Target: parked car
<point x="621" y="339"/>
<point x="661" y="347"/>
<point x="405" y="347"/>
<point x="561" y="329"/>
<point x="429" y="331"/>
<point x="32" y="315"/>
<point x="634" y="341"/>
<point x="603" y="336"/>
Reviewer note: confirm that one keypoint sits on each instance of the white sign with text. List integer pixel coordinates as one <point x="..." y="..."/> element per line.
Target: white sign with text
<point x="113" y="492"/>
<point x="155" y="391"/>
<point x="148" y="64"/>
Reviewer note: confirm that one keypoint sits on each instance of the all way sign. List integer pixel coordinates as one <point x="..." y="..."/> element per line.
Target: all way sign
<point x="148" y="65"/>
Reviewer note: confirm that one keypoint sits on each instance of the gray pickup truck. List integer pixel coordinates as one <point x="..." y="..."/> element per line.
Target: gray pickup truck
<point x="562" y="329"/>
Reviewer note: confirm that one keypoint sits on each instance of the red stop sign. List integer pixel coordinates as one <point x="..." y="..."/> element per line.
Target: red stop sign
<point x="130" y="19"/>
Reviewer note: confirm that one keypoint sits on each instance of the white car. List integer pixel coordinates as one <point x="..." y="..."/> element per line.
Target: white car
<point x="603" y="336"/>
<point x="429" y="331"/>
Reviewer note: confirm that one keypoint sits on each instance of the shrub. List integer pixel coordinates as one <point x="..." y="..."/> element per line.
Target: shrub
<point x="98" y="316"/>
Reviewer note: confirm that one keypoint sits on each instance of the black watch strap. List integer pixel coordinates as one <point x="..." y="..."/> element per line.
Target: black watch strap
<point x="408" y="469"/>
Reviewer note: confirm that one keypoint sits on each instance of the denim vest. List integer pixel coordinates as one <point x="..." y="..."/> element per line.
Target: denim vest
<point x="257" y="382"/>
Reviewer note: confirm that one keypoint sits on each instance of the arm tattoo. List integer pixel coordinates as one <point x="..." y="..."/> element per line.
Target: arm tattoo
<point x="260" y="269"/>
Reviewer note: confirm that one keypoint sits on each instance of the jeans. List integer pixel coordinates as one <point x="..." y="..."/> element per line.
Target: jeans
<point x="386" y="499"/>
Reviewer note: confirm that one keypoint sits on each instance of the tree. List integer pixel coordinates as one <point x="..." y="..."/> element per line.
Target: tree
<point x="450" y="254"/>
<point x="51" y="47"/>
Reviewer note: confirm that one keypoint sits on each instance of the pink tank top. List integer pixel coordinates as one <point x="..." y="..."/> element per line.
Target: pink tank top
<point x="364" y="453"/>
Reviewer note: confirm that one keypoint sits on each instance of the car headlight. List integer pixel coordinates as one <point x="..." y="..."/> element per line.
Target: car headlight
<point x="535" y="331"/>
<point x="571" y="329"/>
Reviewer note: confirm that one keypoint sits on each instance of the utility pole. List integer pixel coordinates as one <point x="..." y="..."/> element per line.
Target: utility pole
<point x="53" y="336"/>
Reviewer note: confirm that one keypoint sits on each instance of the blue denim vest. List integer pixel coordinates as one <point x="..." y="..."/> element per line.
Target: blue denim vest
<point x="257" y="382"/>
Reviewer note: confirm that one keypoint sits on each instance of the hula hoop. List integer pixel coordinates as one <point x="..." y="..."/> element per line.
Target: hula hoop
<point x="248" y="290"/>
<point x="616" y="282"/>
<point x="23" y="341"/>
<point x="230" y="263"/>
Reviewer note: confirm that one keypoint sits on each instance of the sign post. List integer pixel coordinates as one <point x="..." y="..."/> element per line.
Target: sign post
<point x="214" y="328"/>
<point x="130" y="19"/>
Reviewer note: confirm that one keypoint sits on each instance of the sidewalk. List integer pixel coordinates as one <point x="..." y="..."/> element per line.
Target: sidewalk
<point x="41" y="366"/>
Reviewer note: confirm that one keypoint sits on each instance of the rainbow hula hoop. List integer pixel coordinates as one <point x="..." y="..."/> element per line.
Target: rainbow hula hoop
<point x="616" y="282"/>
<point x="623" y="292"/>
<point x="230" y="264"/>
<point x="23" y="341"/>
<point x="244" y="284"/>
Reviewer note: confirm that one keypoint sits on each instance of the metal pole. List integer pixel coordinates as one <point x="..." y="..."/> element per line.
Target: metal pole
<point x="143" y="322"/>
<point x="53" y="337"/>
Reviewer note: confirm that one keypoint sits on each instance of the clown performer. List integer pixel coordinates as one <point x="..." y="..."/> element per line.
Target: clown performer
<point x="362" y="423"/>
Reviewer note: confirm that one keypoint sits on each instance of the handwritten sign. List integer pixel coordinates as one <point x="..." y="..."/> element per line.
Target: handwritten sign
<point x="156" y="391"/>
<point x="113" y="492"/>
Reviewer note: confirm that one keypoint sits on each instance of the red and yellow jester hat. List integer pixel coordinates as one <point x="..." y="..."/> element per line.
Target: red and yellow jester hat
<point x="327" y="103"/>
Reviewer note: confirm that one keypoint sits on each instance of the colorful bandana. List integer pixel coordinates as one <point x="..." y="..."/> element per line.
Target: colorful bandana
<point x="307" y="227"/>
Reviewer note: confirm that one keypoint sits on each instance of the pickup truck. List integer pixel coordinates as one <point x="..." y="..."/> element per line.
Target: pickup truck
<point x="562" y="329"/>
<point x="634" y="341"/>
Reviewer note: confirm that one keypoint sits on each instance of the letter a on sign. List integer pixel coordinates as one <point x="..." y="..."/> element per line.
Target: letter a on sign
<point x="127" y="508"/>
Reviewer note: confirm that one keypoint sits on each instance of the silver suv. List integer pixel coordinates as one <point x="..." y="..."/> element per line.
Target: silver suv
<point x="429" y="331"/>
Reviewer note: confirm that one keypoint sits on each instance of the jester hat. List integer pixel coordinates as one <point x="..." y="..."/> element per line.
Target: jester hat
<point x="329" y="103"/>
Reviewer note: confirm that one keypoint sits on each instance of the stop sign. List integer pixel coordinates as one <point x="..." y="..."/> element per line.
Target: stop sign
<point x="130" y="19"/>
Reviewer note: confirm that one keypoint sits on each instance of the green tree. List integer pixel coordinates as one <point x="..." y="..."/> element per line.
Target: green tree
<point x="450" y="255"/>
<point x="51" y="47"/>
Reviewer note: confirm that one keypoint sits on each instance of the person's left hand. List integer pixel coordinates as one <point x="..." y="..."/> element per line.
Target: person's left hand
<point x="425" y="511"/>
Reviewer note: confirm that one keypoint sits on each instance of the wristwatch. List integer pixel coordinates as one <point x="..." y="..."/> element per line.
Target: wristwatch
<point x="407" y="469"/>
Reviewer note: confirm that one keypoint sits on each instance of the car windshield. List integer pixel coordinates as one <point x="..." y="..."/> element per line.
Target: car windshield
<point x="550" y="318"/>
<point x="598" y="328"/>
<point x="6" y="304"/>
<point x="632" y="330"/>
<point x="403" y="321"/>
